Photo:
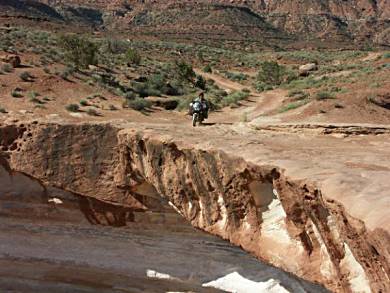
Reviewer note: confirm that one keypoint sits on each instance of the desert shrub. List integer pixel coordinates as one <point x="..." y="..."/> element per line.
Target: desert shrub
<point x="84" y="103"/>
<point x="7" y="68"/>
<point x="64" y="74"/>
<point x="324" y="95"/>
<point x="25" y="76"/>
<point x="36" y="100"/>
<point x="183" y="103"/>
<point x="3" y="110"/>
<point x="32" y="94"/>
<point x="16" y="94"/>
<point x="271" y="73"/>
<point x="236" y="76"/>
<point x="386" y="55"/>
<point x="293" y="105"/>
<point x="46" y="70"/>
<point x="130" y="95"/>
<point x="114" y="46"/>
<point x="93" y="112"/>
<point x="185" y="71"/>
<point x="234" y="98"/>
<point x="200" y="82"/>
<point x="246" y="90"/>
<point x="207" y="69"/>
<point x="133" y="57"/>
<point x="79" y="51"/>
<point x="72" y="107"/>
<point x="112" y="107"/>
<point x="297" y="94"/>
<point x="138" y="104"/>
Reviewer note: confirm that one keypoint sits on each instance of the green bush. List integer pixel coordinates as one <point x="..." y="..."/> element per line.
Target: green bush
<point x="138" y="104"/>
<point x="293" y="105"/>
<point x="234" y="98"/>
<point x="79" y="51"/>
<point x="236" y="76"/>
<point x="72" y="107"/>
<point x="84" y="103"/>
<point x="66" y="72"/>
<point x="386" y="55"/>
<point x="208" y="69"/>
<point x="200" y="82"/>
<point x="25" y="76"/>
<point x="7" y="67"/>
<point x="16" y="94"/>
<point x="324" y="95"/>
<point x="271" y="73"/>
<point x="93" y="112"/>
<point x="133" y="57"/>
<point x="185" y="71"/>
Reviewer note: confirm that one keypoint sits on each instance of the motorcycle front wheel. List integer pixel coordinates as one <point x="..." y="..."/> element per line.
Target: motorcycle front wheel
<point x="194" y="119"/>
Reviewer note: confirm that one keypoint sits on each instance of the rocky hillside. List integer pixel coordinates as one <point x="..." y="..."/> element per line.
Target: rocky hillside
<point x="274" y="23"/>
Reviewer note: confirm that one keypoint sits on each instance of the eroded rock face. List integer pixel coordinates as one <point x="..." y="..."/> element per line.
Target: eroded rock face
<point x="283" y="222"/>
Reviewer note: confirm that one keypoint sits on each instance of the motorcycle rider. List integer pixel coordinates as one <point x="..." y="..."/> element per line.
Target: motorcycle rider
<point x="205" y="105"/>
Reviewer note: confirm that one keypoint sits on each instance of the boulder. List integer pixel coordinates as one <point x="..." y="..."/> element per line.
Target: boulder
<point x="382" y="101"/>
<point x="14" y="60"/>
<point x="305" y="70"/>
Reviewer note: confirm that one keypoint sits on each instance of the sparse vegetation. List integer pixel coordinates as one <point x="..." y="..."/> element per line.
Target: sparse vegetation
<point x="208" y="69"/>
<point x="84" y="103"/>
<point x="6" y="68"/>
<point x="93" y="112"/>
<point x="138" y="104"/>
<point x="271" y="73"/>
<point x="185" y="71"/>
<point x="293" y="105"/>
<point x="234" y="76"/>
<point x="72" y="107"/>
<point x="3" y="110"/>
<point x="324" y="95"/>
<point x="16" y="93"/>
<point x="234" y="98"/>
<point x="386" y="55"/>
<point x="79" y="51"/>
<point x="25" y="76"/>
<point x="133" y="57"/>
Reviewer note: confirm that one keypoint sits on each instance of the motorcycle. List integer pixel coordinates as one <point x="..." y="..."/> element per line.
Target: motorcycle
<point x="197" y="113"/>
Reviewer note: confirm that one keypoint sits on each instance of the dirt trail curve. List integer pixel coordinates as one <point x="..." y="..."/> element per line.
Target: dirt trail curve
<point x="312" y="204"/>
<point x="256" y="105"/>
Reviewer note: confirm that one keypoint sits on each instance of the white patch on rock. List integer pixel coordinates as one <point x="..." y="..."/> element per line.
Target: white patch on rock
<point x="326" y="268"/>
<point x="223" y="212"/>
<point x="236" y="283"/>
<point x="77" y="115"/>
<point x="245" y="224"/>
<point x="274" y="230"/>
<point x="175" y="208"/>
<point x="55" y="200"/>
<point x="275" y="192"/>
<point x="274" y="225"/>
<point x="157" y="275"/>
<point x="333" y="228"/>
<point x="200" y="219"/>
<point x="356" y="275"/>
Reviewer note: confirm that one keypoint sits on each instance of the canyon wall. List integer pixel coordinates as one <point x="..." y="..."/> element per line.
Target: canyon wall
<point x="285" y="222"/>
